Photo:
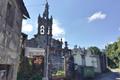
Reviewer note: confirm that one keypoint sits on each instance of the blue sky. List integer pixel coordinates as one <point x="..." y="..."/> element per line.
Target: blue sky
<point x="82" y="22"/>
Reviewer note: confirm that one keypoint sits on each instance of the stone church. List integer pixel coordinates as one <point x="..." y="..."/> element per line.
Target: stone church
<point x="43" y="38"/>
<point x="44" y="34"/>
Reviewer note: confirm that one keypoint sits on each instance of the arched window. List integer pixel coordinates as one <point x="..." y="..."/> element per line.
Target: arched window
<point x="48" y="31"/>
<point x="42" y="29"/>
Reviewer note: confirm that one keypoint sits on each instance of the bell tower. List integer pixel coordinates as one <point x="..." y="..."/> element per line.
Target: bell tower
<point x="44" y="34"/>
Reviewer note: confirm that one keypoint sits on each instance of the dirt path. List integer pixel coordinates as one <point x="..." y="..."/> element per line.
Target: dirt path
<point x="113" y="75"/>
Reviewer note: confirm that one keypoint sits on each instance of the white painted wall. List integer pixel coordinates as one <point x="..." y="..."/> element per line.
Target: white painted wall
<point x="78" y="59"/>
<point x="93" y="61"/>
<point x="30" y="52"/>
<point x="77" y="56"/>
<point x="90" y="60"/>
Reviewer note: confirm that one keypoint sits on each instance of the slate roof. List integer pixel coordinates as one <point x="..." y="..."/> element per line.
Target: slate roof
<point x="23" y="8"/>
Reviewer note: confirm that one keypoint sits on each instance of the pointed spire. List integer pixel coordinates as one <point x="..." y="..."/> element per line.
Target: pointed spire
<point x="46" y="12"/>
<point x="46" y="1"/>
<point x="66" y="44"/>
<point x="39" y="17"/>
<point x="61" y="40"/>
<point x="51" y="19"/>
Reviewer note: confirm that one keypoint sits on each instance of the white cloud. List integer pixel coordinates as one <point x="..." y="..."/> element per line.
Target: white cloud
<point x="97" y="16"/>
<point x="58" y="31"/>
<point x="26" y="27"/>
<point x="111" y="42"/>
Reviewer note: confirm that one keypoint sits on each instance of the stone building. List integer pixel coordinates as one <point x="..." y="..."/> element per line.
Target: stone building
<point x="69" y="62"/>
<point x="44" y="34"/>
<point x="43" y="38"/>
<point x="93" y="60"/>
<point x="55" y="57"/>
<point x="12" y="12"/>
<point x="79" y="56"/>
<point x="84" y="57"/>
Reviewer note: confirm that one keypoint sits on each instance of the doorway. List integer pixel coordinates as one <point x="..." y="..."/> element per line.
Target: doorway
<point x="4" y="71"/>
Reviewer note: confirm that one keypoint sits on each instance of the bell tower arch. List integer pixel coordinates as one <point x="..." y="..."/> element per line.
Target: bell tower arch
<point x="44" y="34"/>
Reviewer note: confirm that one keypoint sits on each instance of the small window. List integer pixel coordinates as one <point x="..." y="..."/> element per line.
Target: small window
<point x="42" y="32"/>
<point x="10" y="14"/>
<point x="42" y="29"/>
<point x="48" y="31"/>
<point x="4" y="71"/>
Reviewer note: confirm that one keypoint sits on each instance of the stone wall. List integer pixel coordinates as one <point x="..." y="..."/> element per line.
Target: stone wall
<point x="10" y="36"/>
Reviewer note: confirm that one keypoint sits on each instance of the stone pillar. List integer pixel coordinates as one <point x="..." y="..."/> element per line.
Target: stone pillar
<point x="15" y="70"/>
<point x="46" y="64"/>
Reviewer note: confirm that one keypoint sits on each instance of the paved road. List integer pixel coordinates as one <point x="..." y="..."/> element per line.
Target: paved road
<point x="109" y="76"/>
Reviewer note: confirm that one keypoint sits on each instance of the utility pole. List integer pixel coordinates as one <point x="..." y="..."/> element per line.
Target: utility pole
<point x="46" y="64"/>
<point x="46" y="76"/>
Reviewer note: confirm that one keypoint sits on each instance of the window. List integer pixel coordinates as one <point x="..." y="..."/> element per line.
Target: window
<point x="10" y="14"/>
<point x="48" y="30"/>
<point x="4" y="71"/>
<point x="42" y="29"/>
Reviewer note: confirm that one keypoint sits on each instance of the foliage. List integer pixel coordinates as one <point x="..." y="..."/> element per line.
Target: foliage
<point x="36" y="77"/>
<point x="95" y="50"/>
<point x="25" y="69"/>
<point x="24" y="72"/>
<point x="113" y="54"/>
<point x="60" y="73"/>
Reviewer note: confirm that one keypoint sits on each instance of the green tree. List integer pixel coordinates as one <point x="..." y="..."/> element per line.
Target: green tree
<point x="95" y="50"/>
<point x="37" y="76"/>
<point x="113" y="54"/>
<point x="25" y="69"/>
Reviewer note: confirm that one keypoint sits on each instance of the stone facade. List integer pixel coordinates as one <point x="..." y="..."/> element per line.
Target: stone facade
<point x="84" y="57"/>
<point x="79" y="56"/>
<point x="93" y="60"/>
<point x="11" y="14"/>
<point x="55" y="56"/>
<point x="69" y="62"/>
<point x="43" y="38"/>
<point x="44" y="35"/>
